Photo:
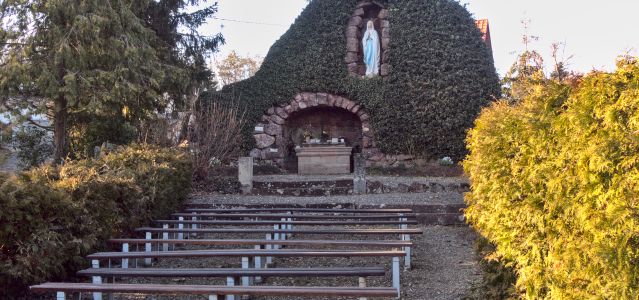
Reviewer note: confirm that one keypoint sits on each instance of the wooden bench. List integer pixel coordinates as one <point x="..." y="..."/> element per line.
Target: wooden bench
<point x="231" y="272"/>
<point x="284" y="222"/>
<point x="164" y="244"/>
<point x="296" y="209"/>
<point x="277" y="234"/>
<point x="247" y="256"/>
<point x="261" y="242"/>
<point x="233" y="275"/>
<point x="214" y="291"/>
<point x="294" y="216"/>
<point x="339" y="231"/>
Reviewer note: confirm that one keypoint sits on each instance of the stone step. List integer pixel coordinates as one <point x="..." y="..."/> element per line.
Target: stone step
<point x="303" y="188"/>
<point x="304" y="192"/>
<point x="302" y="184"/>
<point x="345" y="187"/>
<point x="426" y="214"/>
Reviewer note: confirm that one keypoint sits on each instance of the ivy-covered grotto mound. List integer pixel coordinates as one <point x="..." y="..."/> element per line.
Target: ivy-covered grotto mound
<point x="436" y="73"/>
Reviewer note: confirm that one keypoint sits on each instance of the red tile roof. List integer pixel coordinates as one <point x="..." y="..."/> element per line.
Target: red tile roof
<point x="484" y="27"/>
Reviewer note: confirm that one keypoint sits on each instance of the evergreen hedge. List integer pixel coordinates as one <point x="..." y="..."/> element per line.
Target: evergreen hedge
<point x="555" y="186"/>
<point x="52" y="217"/>
<point x="442" y="74"/>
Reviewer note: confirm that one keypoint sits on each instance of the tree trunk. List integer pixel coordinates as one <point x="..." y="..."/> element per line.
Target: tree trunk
<point x="60" y="130"/>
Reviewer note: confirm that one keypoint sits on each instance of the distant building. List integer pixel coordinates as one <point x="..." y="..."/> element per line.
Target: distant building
<point x="484" y="27"/>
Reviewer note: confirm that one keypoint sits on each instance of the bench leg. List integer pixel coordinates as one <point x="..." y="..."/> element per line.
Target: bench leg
<point x="147" y="248"/>
<point x="405" y="237"/>
<point x="258" y="264"/>
<point x="290" y="226"/>
<point x="165" y="236"/>
<point x="407" y="258"/>
<point x="362" y="284"/>
<point x="246" y="264"/>
<point x="96" y="279"/>
<point x="230" y="281"/>
<point x="276" y="235"/>
<point x="194" y="226"/>
<point x="180" y="235"/>
<point x="269" y="259"/>
<point x="60" y="296"/>
<point x="396" y="272"/>
<point x="283" y="226"/>
<point x="125" y="261"/>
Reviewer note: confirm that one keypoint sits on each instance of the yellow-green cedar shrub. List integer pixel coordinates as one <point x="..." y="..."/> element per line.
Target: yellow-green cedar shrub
<point x="555" y="186"/>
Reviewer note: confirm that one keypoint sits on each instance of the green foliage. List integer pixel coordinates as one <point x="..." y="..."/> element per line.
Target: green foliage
<point x="6" y="135"/>
<point x="181" y="46"/>
<point x="90" y="57"/>
<point x="52" y="217"/>
<point x="83" y="62"/>
<point x="442" y="74"/>
<point x="555" y="186"/>
<point x="34" y="146"/>
<point x="526" y="73"/>
<point x="87" y="132"/>
<point x="498" y="279"/>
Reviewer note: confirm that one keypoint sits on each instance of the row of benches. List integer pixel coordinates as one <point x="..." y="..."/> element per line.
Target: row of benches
<point x="256" y="263"/>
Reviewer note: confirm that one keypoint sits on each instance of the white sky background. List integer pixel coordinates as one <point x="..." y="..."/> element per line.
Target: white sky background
<point x="595" y="31"/>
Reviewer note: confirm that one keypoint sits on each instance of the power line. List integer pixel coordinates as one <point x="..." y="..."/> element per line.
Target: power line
<point x="248" y="22"/>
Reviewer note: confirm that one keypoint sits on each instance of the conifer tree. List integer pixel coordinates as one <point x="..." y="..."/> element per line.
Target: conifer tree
<point x="182" y="46"/>
<point x="66" y="57"/>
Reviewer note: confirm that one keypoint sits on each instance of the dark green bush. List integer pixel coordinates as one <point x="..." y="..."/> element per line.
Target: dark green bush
<point x="52" y="217"/>
<point x="34" y="146"/>
<point x="442" y="74"/>
<point x="89" y="131"/>
<point x="555" y="186"/>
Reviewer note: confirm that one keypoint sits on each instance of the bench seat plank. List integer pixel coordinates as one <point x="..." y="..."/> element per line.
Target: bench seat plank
<point x="295" y="216"/>
<point x="219" y="272"/>
<point x="356" y="243"/>
<point x="245" y="253"/>
<point x="292" y="231"/>
<point x="217" y="290"/>
<point x="273" y="222"/>
<point x="309" y="210"/>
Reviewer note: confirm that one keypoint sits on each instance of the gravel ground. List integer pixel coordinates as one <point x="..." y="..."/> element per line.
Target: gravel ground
<point x="371" y="199"/>
<point x="444" y="267"/>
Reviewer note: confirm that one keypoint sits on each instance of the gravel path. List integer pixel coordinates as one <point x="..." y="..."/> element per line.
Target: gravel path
<point x="371" y="199"/>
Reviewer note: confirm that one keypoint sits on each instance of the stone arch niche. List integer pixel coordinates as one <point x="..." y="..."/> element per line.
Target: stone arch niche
<point x="367" y="10"/>
<point x="282" y="127"/>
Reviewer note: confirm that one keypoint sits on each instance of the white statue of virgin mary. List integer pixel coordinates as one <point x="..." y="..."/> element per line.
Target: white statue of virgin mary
<point x="370" y="43"/>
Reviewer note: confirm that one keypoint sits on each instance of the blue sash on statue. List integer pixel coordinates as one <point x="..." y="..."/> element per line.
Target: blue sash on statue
<point x="369" y="52"/>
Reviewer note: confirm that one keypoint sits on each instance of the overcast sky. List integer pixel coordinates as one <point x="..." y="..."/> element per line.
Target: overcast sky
<point x="595" y="32"/>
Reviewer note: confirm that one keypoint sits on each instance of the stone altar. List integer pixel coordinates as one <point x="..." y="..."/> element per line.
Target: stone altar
<point x="323" y="159"/>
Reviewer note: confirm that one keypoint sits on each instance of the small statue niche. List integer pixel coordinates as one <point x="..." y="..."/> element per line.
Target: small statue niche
<point x="367" y="41"/>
